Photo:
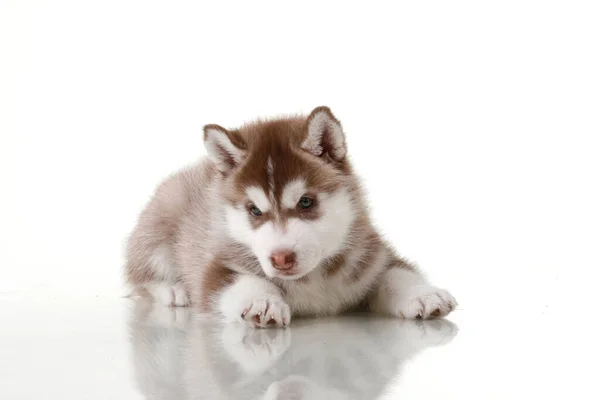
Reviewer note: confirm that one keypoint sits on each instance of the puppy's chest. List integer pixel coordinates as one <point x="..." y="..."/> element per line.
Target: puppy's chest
<point x="318" y="295"/>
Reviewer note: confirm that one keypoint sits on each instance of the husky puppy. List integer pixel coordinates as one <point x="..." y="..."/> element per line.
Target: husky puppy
<point x="273" y="224"/>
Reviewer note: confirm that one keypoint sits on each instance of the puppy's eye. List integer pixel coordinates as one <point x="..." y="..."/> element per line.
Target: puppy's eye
<point x="305" y="202"/>
<point x="255" y="211"/>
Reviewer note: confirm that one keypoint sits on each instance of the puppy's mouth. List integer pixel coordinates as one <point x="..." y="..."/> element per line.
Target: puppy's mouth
<point x="290" y="274"/>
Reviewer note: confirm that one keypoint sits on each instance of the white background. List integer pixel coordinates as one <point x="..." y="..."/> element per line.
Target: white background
<point x="475" y="126"/>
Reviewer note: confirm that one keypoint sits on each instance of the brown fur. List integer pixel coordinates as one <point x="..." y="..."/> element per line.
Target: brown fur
<point x="216" y="278"/>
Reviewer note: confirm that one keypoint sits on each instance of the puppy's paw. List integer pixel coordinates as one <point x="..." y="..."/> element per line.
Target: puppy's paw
<point x="180" y="296"/>
<point x="256" y="302"/>
<point x="266" y="311"/>
<point x="169" y="295"/>
<point x="424" y="301"/>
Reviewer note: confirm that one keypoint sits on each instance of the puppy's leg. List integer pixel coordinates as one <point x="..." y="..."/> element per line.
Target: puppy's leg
<point x="151" y="265"/>
<point x="255" y="301"/>
<point x="150" y="269"/>
<point x="403" y="292"/>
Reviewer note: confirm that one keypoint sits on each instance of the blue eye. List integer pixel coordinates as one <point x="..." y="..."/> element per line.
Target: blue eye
<point x="305" y="202"/>
<point x="255" y="211"/>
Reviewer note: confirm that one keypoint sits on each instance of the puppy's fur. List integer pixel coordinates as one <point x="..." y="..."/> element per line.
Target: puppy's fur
<point x="273" y="224"/>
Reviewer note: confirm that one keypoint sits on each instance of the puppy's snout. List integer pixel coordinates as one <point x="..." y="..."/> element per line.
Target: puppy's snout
<point x="283" y="260"/>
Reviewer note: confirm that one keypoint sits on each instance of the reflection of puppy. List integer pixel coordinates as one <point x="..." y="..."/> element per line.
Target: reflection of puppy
<point x="254" y="350"/>
<point x="273" y="224"/>
<point x="158" y="337"/>
<point x="299" y="388"/>
<point x="349" y="357"/>
<point x="351" y="361"/>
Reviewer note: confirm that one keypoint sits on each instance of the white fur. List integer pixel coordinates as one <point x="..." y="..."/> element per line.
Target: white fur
<point x="321" y="123"/>
<point x="180" y="296"/>
<point x="162" y="263"/>
<point x="406" y="294"/>
<point x="216" y="142"/>
<point x="312" y="241"/>
<point x="292" y="192"/>
<point x="328" y="295"/>
<point x="258" y="197"/>
<point x="251" y="296"/>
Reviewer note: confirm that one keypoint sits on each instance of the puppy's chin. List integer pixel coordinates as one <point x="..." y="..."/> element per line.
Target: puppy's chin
<point x="289" y="275"/>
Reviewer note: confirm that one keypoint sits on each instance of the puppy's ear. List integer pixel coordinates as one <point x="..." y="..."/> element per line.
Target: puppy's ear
<point x="225" y="148"/>
<point x="324" y="135"/>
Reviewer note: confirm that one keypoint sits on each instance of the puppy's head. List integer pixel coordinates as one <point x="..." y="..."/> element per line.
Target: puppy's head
<point x="287" y="189"/>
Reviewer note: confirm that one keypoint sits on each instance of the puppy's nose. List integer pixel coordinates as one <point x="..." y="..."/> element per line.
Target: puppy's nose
<point x="283" y="260"/>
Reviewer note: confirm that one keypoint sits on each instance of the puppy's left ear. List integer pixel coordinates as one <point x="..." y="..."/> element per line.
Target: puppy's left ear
<point x="324" y="135"/>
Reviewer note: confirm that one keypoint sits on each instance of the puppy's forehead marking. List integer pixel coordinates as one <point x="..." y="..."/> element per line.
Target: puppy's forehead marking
<point x="258" y="197"/>
<point x="292" y="192"/>
<point x="271" y="179"/>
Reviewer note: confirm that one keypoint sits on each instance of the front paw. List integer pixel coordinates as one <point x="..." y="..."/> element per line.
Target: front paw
<point x="266" y="311"/>
<point x="254" y="301"/>
<point x="424" y="301"/>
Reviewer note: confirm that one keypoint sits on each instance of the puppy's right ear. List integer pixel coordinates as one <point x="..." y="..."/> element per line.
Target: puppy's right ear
<point x="225" y="148"/>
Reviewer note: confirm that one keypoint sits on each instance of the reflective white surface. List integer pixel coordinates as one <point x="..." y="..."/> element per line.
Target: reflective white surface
<point x="349" y="357"/>
<point x="92" y="347"/>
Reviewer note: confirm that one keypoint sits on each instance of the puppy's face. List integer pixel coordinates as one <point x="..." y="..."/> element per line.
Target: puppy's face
<point x="287" y="194"/>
